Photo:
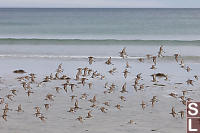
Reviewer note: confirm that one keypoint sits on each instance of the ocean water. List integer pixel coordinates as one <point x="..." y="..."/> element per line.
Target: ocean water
<point x="98" y="32"/>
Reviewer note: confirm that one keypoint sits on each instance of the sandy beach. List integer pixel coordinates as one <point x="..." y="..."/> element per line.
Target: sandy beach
<point x="131" y="117"/>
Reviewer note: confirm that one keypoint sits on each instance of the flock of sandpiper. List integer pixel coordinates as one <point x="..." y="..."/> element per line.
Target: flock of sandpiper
<point x="81" y="78"/>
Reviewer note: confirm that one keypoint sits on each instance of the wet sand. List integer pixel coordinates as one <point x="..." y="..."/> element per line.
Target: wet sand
<point x="58" y="119"/>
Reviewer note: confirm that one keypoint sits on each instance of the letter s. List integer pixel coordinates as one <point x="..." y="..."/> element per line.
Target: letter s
<point x="193" y="108"/>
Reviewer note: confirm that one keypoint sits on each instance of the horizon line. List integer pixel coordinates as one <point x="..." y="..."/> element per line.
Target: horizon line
<point x="100" y="7"/>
